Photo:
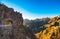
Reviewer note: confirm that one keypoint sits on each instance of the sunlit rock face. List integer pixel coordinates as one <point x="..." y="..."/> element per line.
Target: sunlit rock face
<point x="52" y="30"/>
<point x="11" y="25"/>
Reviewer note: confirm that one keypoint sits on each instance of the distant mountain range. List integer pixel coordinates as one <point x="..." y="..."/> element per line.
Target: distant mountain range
<point x="36" y="25"/>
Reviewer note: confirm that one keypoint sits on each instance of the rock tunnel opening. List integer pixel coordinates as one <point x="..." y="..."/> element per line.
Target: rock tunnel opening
<point x="9" y="22"/>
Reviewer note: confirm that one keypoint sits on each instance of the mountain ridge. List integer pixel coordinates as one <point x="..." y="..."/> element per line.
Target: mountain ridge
<point x="52" y="30"/>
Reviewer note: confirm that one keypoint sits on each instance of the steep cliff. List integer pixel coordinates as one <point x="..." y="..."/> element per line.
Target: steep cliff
<point x="11" y="24"/>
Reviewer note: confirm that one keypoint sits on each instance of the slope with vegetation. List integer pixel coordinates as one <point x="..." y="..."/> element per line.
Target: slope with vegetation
<point x="52" y="30"/>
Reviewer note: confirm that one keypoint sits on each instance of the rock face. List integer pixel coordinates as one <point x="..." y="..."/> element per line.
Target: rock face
<point x="52" y="30"/>
<point x="11" y="25"/>
<point x="36" y="25"/>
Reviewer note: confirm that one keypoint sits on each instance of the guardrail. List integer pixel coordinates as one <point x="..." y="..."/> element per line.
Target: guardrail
<point x="5" y="25"/>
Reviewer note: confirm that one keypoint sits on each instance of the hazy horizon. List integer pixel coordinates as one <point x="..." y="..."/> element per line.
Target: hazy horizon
<point x="32" y="9"/>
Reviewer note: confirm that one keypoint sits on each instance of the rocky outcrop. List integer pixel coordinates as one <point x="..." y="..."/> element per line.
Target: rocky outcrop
<point x="49" y="33"/>
<point x="11" y="25"/>
<point x="52" y="30"/>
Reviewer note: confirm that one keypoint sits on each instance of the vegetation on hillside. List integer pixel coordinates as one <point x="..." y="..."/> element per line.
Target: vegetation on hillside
<point x="52" y="30"/>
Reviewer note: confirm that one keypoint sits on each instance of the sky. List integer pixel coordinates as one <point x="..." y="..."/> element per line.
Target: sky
<point x="32" y="9"/>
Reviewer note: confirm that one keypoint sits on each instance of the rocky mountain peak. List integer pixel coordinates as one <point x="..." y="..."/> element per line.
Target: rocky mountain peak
<point x="13" y="24"/>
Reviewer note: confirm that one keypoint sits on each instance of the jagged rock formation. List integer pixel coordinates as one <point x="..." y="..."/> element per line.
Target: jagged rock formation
<point x="11" y="25"/>
<point x="52" y="30"/>
<point x="36" y="25"/>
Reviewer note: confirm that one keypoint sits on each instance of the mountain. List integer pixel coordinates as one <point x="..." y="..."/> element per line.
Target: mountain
<point x="52" y="30"/>
<point x="36" y="25"/>
<point x="11" y="25"/>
